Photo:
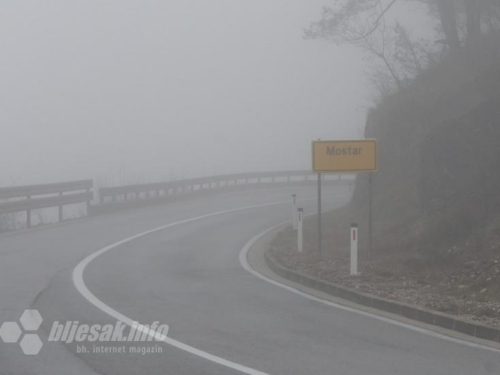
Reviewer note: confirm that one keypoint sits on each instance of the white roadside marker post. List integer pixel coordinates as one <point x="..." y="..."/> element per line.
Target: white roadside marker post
<point x="354" y="249"/>
<point x="294" y="211"/>
<point x="300" y="231"/>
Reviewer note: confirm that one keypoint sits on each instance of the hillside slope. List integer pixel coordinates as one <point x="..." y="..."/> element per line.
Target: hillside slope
<point x="436" y="201"/>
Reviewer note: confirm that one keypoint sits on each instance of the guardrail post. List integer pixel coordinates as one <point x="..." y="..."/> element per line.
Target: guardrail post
<point x="87" y="204"/>
<point x="354" y="249"/>
<point x="294" y="211"/>
<point x="60" y="209"/>
<point x="300" y="231"/>
<point x="28" y="214"/>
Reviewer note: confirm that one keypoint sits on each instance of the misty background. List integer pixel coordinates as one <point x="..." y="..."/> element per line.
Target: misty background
<point x="138" y="91"/>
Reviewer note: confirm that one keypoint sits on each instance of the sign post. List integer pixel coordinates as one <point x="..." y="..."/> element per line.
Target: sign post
<point x="343" y="157"/>
<point x="370" y="205"/>
<point x="320" y="251"/>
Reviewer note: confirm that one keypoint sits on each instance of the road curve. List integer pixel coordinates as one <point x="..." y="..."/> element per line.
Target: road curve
<point x="188" y="275"/>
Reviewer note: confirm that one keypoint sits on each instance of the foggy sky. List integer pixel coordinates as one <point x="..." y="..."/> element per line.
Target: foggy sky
<point x="153" y="90"/>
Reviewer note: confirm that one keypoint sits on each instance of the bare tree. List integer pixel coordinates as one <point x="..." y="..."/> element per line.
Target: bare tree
<point x="361" y="24"/>
<point x="364" y="25"/>
<point x="354" y="21"/>
<point x="446" y="10"/>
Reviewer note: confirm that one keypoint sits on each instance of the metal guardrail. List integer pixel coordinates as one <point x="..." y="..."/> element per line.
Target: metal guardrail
<point x="80" y="192"/>
<point x="31" y="197"/>
<point x="164" y="189"/>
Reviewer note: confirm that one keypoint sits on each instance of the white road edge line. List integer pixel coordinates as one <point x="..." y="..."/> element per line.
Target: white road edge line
<point x="89" y="296"/>
<point x="243" y="257"/>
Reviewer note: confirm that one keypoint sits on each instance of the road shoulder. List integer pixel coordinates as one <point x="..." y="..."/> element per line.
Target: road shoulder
<point x="257" y="261"/>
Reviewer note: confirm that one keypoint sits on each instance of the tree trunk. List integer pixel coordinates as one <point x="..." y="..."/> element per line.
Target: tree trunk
<point x="448" y="17"/>
<point x="473" y="13"/>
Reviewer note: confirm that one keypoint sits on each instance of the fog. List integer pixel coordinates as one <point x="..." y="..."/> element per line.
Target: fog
<point x="129" y="91"/>
<point x="386" y="247"/>
<point x="155" y="90"/>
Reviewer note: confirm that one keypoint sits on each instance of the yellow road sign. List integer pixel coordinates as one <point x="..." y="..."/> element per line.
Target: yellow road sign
<point x="345" y="156"/>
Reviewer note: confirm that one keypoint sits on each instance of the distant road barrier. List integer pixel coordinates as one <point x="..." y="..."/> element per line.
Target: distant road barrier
<point x="31" y="197"/>
<point x="164" y="189"/>
<point x="76" y="192"/>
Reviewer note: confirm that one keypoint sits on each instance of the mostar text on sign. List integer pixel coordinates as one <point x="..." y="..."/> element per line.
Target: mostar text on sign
<point x="344" y="156"/>
<point x="343" y="151"/>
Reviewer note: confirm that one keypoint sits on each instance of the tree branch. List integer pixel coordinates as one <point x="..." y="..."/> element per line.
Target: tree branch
<point x="377" y="21"/>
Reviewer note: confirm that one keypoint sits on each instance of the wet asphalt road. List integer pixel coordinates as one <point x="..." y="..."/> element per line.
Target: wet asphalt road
<point x="189" y="277"/>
